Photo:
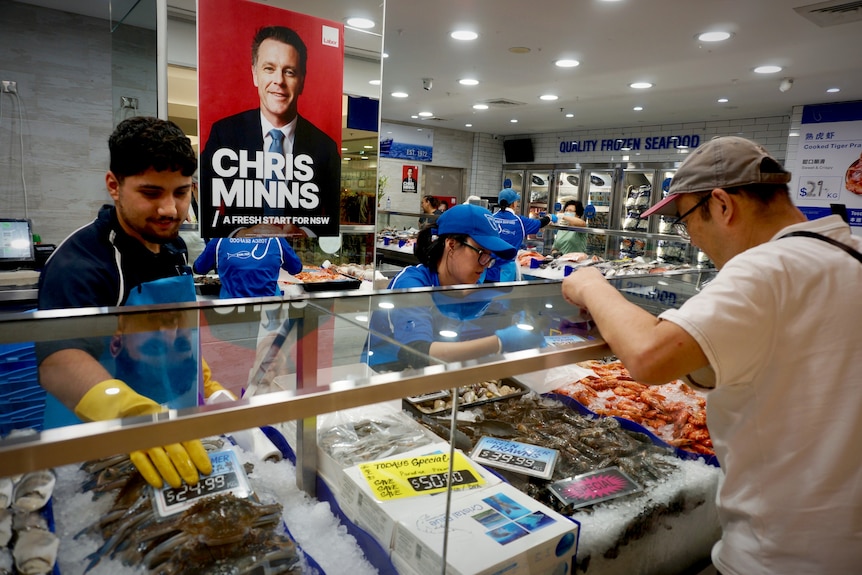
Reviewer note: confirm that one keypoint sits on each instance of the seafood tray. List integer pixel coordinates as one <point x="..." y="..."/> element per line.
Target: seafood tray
<point x="673" y="413"/>
<point x="633" y="427"/>
<point x="315" y="279"/>
<point x="27" y="532"/>
<point x="440" y="403"/>
<point x="207" y="285"/>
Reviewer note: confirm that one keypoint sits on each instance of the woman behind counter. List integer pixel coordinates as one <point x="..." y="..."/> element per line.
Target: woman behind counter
<point x="456" y="250"/>
<point x="566" y="242"/>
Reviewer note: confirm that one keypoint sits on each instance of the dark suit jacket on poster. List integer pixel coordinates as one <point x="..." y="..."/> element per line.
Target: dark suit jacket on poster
<point x="243" y="132"/>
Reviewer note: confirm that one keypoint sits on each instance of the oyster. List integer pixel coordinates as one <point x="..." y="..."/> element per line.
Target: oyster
<point x="6" y="562"/>
<point x="33" y="491"/>
<point x="22" y="520"/>
<point x="5" y="527"/>
<point x="5" y="492"/>
<point x="35" y="551"/>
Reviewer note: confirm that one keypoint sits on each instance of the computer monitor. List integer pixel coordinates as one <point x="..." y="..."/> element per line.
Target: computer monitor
<point x="16" y="244"/>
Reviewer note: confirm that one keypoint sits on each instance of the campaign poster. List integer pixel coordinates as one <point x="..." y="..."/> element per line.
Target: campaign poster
<point x="270" y="98"/>
<point x="827" y="173"/>
<point x="406" y="143"/>
<point x="408" y="179"/>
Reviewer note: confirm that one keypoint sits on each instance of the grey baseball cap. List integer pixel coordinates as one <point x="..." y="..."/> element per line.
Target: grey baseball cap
<point x="723" y="162"/>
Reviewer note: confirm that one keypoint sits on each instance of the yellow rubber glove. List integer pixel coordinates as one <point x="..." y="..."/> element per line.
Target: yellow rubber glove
<point x="111" y="399"/>
<point x="213" y="389"/>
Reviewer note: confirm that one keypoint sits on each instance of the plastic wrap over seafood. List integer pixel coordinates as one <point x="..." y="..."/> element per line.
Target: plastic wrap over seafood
<point x="350" y="437"/>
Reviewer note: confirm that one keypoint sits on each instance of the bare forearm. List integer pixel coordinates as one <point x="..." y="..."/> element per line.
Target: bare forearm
<point x="653" y="351"/>
<point x="463" y="350"/>
<point x="70" y="373"/>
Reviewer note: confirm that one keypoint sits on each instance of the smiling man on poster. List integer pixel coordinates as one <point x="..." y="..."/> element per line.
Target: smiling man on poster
<point x="269" y="171"/>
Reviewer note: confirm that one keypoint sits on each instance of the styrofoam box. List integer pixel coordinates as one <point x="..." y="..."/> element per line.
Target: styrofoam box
<point x="379" y="518"/>
<point x="491" y="531"/>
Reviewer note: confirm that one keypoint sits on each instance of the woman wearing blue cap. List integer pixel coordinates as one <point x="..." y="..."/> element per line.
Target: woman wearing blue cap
<point x="457" y="249"/>
<point x="514" y="229"/>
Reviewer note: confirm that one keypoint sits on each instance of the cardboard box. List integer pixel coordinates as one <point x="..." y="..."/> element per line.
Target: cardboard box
<point x="492" y="531"/>
<point x="379" y="517"/>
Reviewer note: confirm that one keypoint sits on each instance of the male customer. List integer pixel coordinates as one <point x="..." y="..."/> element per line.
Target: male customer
<point x="131" y="254"/>
<point x="308" y="182"/>
<point x="778" y="330"/>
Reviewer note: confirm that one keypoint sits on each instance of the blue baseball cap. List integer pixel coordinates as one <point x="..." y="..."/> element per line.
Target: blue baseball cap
<point x="509" y="196"/>
<point x="479" y="224"/>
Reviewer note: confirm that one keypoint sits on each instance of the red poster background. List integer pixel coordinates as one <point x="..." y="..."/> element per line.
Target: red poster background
<point x="225" y="86"/>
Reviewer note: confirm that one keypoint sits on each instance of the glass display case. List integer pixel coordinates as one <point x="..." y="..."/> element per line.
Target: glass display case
<point x="302" y="363"/>
<point x="396" y="236"/>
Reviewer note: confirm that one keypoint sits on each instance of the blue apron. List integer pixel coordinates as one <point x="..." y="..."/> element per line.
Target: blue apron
<point x="161" y="363"/>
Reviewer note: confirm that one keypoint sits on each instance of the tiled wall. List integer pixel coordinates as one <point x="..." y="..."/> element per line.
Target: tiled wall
<point x="452" y="149"/>
<point x="64" y="112"/>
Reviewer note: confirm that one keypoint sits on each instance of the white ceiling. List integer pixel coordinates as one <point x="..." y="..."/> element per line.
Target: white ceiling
<point x="616" y="42"/>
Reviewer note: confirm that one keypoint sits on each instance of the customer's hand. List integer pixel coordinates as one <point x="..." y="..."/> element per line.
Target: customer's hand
<point x="580" y="282"/>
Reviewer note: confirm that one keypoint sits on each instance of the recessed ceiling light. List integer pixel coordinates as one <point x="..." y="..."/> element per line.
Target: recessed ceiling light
<point x="398" y="94"/>
<point x="519" y="50"/>
<point x="468" y="81"/>
<point x="464" y="35"/>
<point x="793" y="134"/>
<point x="548" y="97"/>
<point x="570" y="115"/>
<point x="769" y="69"/>
<point x="346" y="159"/>
<point x="715" y="36"/>
<point x="426" y="114"/>
<point x="374" y="82"/>
<point x="385" y="55"/>
<point x="480" y="106"/>
<point x="566" y="63"/>
<point x="468" y="125"/>
<point x="722" y="100"/>
<point x="363" y="23"/>
<point x="833" y="90"/>
<point x="640" y="85"/>
<point x="514" y="120"/>
<point x="367" y="147"/>
<point x="638" y="108"/>
<point x="414" y="117"/>
<point x="343" y="149"/>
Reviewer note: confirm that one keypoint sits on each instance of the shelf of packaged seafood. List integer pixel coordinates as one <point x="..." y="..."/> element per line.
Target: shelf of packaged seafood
<point x="323" y="378"/>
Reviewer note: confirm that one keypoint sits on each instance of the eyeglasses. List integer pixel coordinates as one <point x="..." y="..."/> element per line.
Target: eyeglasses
<point x="678" y="225"/>
<point x="486" y="259"/>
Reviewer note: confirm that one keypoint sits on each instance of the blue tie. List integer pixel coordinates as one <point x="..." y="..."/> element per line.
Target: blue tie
<point x="276" y="147"/>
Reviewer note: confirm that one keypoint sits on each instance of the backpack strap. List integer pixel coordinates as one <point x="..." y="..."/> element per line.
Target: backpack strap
<point x="828" y="240"/>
